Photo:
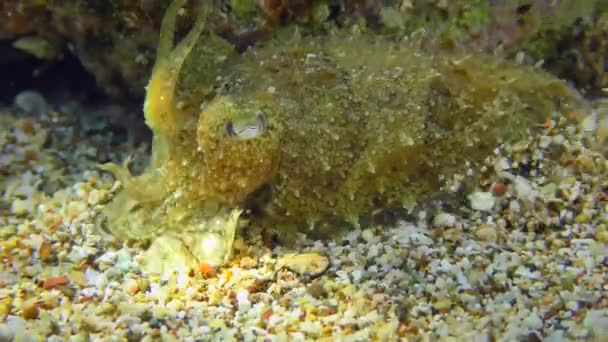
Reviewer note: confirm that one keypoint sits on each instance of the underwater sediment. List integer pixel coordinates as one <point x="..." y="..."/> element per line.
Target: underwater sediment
<point x="501" y="169"/>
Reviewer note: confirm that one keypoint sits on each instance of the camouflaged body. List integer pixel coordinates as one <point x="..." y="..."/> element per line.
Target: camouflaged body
<point x="334" y="129"/>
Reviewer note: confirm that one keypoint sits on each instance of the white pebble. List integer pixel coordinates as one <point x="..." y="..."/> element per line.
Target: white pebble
<point x="533" y="321"/>
<point x="273" y="320"/>
<point x="91" y="276"/>
<point x="242" y="299"/>
<point x="501" y="164"/>
<point x="444" y="220"/>
<point x="357" y="275"/>
<point x="514" y="207"/>
<point x="482" y="201"/>
<point x="368" y="235"/>
<point x="572" y="305"/>
<point x="20" y="207"/>
<point x="544" y="141"/>
<point x="597" y="322"/>
<point x="524" y="190"/>
<point x="77" y="254"/>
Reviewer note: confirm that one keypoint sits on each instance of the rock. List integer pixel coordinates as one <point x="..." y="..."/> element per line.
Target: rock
<point x="312" y="264"/>
<point x="481" y="201"/>
<point x="444" y="220"/>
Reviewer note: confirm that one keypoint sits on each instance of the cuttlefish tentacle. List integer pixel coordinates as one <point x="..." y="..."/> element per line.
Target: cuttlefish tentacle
<point x="160" y="110"/>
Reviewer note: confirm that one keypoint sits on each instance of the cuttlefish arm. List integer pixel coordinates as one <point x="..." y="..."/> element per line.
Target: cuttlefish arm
<point x="143" y="188"/>
<point x="160" y="110"/>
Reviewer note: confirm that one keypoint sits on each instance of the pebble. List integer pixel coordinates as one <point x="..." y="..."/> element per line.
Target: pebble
<point x="316" y="290"/>
<point x="525" y="190"/>
<point x="31" y="102"/>
<point x="486" y="233"/>
<point x="242" y="299"/>
<point x="533" y="322"/>
<point x="305" y="264"/>
<point x="481" y="201"/>
<point x="131" y="286"/>
<point x="368" y="235"/>
<point x="505" y="264"/>
<point x="20" y="207"/>
<point x="444" y="220"/>
<point x="29" y="308"/>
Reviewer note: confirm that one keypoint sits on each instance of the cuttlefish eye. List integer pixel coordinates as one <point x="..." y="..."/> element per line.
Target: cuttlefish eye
<point x="247" y="127"/>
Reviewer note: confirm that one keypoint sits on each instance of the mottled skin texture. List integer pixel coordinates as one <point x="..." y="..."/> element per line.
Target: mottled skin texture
<point x="344" y="126"/>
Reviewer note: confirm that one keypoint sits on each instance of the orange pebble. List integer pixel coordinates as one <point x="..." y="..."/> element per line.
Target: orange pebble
<point x="499" y="189"/>
<point x="206" y="268"/>
<point x="52" y="282"/>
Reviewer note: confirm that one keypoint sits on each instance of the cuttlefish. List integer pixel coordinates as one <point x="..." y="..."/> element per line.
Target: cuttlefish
<point x="314" y="132"/>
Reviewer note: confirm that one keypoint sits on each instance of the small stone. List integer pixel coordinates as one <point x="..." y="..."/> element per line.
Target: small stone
<point x="91" y="324"/>
<point x="105" y="308"/>
<point x="442" y="304"/>
<point x="514" y="206"/>
<point x="242" y="299"/>
<point x="444" y="220"/>
<point x="486" y="233"/>
<point x="525" y="190"/>
<point x="596" y="321"/>
<point x="134" y="309"/>
<point x="78" y="278"/>
<point x="247" y="263"/>
<point x="31" y="102"/>
<point x="53" y="282"/>
<point x="5" y="305"/>
<point x="317" y="290"/>
<point x="482" y="201"/>
<point x="305" y="264"/>
<point x="19" y="207"/>
<point x="602" y="234"/>
<point x="584" y="217"/>
<point x="131" y="286"/>
<point x="544" y="141"/>
<point x="368" y="235"/>
<point x="50" y="299"/>
<point x="533" y="321"/>
<point x="217" y="323"/>
<point x="29" y="309"/>
<point x="44" y="251"/>
<point x="77" y="254"/>
<point x="498" y="189"/>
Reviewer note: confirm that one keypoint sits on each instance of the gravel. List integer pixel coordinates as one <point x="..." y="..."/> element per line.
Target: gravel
<point x="524" y="259"/>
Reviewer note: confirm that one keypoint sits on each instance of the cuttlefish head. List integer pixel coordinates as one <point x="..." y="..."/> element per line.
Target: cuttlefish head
<point x="239" y="138"/>
<point x="147" y="207"/>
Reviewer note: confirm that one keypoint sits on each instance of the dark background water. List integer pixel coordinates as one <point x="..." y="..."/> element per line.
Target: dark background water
<point x="20" y="71"/>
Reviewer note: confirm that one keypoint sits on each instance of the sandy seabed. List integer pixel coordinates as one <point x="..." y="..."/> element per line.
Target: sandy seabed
<point x="524" y="259"/>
